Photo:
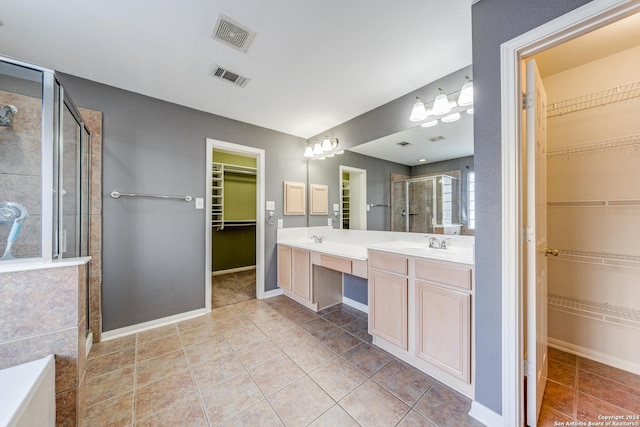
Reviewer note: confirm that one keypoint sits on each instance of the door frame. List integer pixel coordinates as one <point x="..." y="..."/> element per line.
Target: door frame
<point x="259" y="155"/>
<point x="361" y="199"/>
<point x="582" y="20"/>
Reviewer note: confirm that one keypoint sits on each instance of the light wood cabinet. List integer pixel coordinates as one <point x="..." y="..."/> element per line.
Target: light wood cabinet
<point x="284" y="267"/>
<point x="443" y="329"/>
<point x="388" y="305"/>
<point x="301" y="273"/>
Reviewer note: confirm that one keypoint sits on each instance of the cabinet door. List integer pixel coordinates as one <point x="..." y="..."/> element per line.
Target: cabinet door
<point x="443" y="329"/>
<point x="388" y="307"/>
<point x="284" y="267"/>
<point x="301" y="273"/>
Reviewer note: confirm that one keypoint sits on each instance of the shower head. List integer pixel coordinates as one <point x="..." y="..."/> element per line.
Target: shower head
<point x="6" y="114"/>
<point x="14" y="213"/>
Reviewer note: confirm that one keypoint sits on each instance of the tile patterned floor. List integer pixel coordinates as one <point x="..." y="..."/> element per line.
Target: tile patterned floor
<point x="263" y="363"/>
<point x="580" y="389"/>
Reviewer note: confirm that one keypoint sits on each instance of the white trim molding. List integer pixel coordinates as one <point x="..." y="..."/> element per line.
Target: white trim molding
<point x="485" y="415"/>
<point x="577" y="22"/>
<point x="355" y="304"/>
<point x="145" y="326"/>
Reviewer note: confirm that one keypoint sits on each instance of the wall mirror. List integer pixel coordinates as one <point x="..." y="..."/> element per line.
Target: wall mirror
<point x="419" y="179"/>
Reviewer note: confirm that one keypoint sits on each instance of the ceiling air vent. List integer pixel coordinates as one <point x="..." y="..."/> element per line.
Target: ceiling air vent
<point x="230" y="76"/>
<point x="404" y="143"/>
<point x="436" y="138"/>
<point x="232" y="33"/>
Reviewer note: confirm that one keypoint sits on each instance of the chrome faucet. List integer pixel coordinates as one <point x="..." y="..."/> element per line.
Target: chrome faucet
<point x="434" y="243"/>
<point x="443" y="244"/>
<point x="317" y="239"/>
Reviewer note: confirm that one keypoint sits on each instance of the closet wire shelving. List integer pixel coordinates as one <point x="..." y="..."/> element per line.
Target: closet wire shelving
<point x="217" y="194"/>
<point x="594" y="99"/>
<point x="597" y="310"/>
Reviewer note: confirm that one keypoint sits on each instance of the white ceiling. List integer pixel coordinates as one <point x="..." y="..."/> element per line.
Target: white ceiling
<point x="313" y="64"/>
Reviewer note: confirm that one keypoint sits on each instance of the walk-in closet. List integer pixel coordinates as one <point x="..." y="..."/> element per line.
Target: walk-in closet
<point x="233" y="217"/>
<point x="593" y="219"/>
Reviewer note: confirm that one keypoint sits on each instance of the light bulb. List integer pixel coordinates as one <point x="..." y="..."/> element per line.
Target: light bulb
<point x="441" y="104"/>
<point x="308" y="152"/>
<point x="418" y="112"/>
<point x="466" y="94"/>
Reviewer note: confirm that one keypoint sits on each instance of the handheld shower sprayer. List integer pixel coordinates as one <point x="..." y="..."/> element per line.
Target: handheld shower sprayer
<point x="6" y="114"/>
<point x="12" y="212"/>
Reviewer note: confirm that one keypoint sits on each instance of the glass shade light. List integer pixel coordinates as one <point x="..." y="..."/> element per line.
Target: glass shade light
<point x="308" y="152"/>
<point x="317" y="148"/>
<point x="441" y="104"/>
<point x="451" y="118"/>
<point x="429" y="124"/>
<point x="466" y="94"/>
<point x="418" y="112"/>
<point x="326" y="144"/>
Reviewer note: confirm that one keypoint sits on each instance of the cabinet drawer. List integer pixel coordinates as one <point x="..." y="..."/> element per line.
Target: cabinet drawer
<point x="335" y="263"/>
<point x="446" y="274"/>
<point x="392" y="263"/>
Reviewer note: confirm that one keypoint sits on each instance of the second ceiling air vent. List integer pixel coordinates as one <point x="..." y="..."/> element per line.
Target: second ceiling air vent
<point x="232" y="33"/>
<point x="230" y="76"/>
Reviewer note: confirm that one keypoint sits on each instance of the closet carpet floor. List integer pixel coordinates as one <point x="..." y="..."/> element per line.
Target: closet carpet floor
<point x="232" y="288"/>
<point x="263" y="363"/>
<point x="583" y="390"/>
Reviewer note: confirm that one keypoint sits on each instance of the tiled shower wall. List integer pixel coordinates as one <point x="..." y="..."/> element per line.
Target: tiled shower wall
<point x="20" y="166"/>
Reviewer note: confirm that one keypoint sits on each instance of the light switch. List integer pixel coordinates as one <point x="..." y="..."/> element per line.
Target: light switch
<point x="280" y="223"/>
<point x="199" y="203"/>
<point x="271" y="205"/>
<point x="336" y="207"/>
<point x="329" y="221"/>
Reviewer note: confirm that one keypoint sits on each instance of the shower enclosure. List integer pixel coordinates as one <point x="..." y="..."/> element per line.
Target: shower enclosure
<point x="429" y="204"/>
<point x="44" y="167"/>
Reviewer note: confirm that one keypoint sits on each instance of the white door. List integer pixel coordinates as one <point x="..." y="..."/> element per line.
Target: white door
<point x="536" y="222"/>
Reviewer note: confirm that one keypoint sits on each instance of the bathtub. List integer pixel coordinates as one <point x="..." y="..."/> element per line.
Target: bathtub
<point x="27" y="394"/>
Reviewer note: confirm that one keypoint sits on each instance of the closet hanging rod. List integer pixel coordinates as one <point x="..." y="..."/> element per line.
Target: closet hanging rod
<point x="594" y="99"/>
<point x="117" y="195"/>
<point x="604" y="144"/>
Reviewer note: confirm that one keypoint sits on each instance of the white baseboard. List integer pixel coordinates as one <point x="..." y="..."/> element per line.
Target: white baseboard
<point x="485" y="415"/>
<point x="355" y="304"/>
<point x="233" y="270"/>
<point x="587" y="353"/>
<point x="272" y="293"/>
<point x="140" y="327"/>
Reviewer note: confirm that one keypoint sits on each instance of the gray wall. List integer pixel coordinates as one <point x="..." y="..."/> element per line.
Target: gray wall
<point x="494" y="22"/>
<point x="154" y="250"/>
<point x="378" y="186"/>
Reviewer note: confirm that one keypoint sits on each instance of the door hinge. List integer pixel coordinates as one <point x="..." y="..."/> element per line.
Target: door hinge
<point x="527" y="100"/>
<point x="526" y="368"/>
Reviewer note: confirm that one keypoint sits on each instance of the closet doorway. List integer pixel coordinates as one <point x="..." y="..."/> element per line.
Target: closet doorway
<point x="577" y="173"/>
<point x="234" y="221"/>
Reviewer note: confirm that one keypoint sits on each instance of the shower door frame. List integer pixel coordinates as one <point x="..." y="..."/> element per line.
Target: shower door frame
<point x="259" y="155"/>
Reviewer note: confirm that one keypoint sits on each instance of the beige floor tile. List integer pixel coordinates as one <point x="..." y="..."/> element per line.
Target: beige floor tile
<point x="251" y="305"/>
<point x="196" y="335"/>
<point x="244" y="336"/>
<point x="261" y="414"/>
<point x="111" y="362"/>
<point x="415" y="419"/>
<point x="227" y="399"/>
<point x="337" y="340"/>
<point x="223" y="313"/>
<point x="151" y="349"/>
<point x="292" y="337"/>
<point x="367" y="358"/>
<point x="310" y="355"/>
<point x="159" y="367"/>
<point x="214" y="371"/>
<point x="105" y="347"/>
<point x="301" y="402"/>
<point x="111" y="384"/>
<point x="372" y="405"/>
<point x="156" y="396"/>
<point x="187" y="412"/>
<point x="258" y="353"/>
<point x="194" y="323"/>
<point x="275" y="374"/>
<point x="338" y="378"/>
<point x="334" y="417"/>
<point x="207" y="350"/>
<point x="446" y="407"/>
<point x="117" y="411"/>
<point x="404" y="381"/>
<point x="157" y="333"/>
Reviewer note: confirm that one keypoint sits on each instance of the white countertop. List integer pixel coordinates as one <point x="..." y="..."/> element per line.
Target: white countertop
<point x="355" y="244"/>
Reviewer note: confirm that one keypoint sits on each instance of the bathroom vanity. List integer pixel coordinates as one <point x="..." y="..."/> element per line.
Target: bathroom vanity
<point x="420" y="299"/>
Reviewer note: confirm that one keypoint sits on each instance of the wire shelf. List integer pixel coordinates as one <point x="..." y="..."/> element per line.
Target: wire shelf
<point x="599" y="310"/>
<point x="593" y="203"/>
<point x="603" y="258"/>
<point x="595" y="99"/>
<point x="604" y="144"/>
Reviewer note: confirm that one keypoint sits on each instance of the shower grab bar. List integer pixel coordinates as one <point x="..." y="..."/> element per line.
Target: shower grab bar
<point x="378" y="205"/>
<point x="117" y="195"/>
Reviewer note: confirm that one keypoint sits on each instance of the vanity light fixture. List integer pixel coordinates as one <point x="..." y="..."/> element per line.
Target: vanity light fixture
<point x="466" y="94"/>
<point x="429" y="124"/>
<point x="451" y="118"/>
<point x="321" y="149"/>
<point x="441" y="105"/>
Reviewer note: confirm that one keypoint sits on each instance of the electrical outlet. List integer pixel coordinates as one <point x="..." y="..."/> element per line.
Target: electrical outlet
<point x="329" y="221"/>
<point x="280" y="223"/>
<point x="271" y="205"/>
<point x="199" y="203"/>
<point x="336" y="207"/>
